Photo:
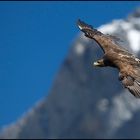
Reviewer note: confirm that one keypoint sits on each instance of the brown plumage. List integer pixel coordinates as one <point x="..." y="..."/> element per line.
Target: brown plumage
<point x="117" y="57"/>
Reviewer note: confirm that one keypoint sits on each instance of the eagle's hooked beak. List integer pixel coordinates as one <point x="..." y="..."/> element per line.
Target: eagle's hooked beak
<point x="96" y="64"/>
<point x="99" y="63"/>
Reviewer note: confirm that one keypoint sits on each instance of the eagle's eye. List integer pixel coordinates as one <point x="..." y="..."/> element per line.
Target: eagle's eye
<point x="100" y="61"/>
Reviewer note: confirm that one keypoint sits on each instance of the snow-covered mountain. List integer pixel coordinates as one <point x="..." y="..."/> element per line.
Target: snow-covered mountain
<point x="86" y="102"/>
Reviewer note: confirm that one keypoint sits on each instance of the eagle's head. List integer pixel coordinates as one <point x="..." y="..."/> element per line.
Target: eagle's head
<point x="99" y="63"/>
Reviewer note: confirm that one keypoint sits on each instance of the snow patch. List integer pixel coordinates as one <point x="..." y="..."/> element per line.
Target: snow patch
<point x="134" y="39"/>
<point x="79" y="48"/>
<point x="126" y="25"/>
<point x="110" y="28"/>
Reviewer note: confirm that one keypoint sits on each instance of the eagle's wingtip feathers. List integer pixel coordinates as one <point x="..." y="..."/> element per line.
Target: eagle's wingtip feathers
<point x="82" y="25"/>
<point x="79" y="24"/>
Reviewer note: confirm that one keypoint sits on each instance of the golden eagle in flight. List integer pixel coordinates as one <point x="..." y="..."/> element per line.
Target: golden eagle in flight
<point x="117" y="57"/>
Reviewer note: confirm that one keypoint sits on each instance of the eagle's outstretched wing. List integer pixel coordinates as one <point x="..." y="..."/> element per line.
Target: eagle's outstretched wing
<point x="114" y="38"/>
<point x="132" y="83"/>
<point x="98" y="36"/>
<point x="88" y="29"/>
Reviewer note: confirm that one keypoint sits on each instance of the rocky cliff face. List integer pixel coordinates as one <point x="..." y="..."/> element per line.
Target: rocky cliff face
<point x="86" y="102"/>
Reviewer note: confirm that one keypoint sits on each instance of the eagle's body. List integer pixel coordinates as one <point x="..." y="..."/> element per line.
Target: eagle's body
<point x="117" y="57"/>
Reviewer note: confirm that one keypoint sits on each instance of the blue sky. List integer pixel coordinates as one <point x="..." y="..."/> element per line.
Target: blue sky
<point x="34" y="40"/>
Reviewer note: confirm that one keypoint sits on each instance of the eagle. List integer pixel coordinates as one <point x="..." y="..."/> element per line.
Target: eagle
<point x="115" y="56"/>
